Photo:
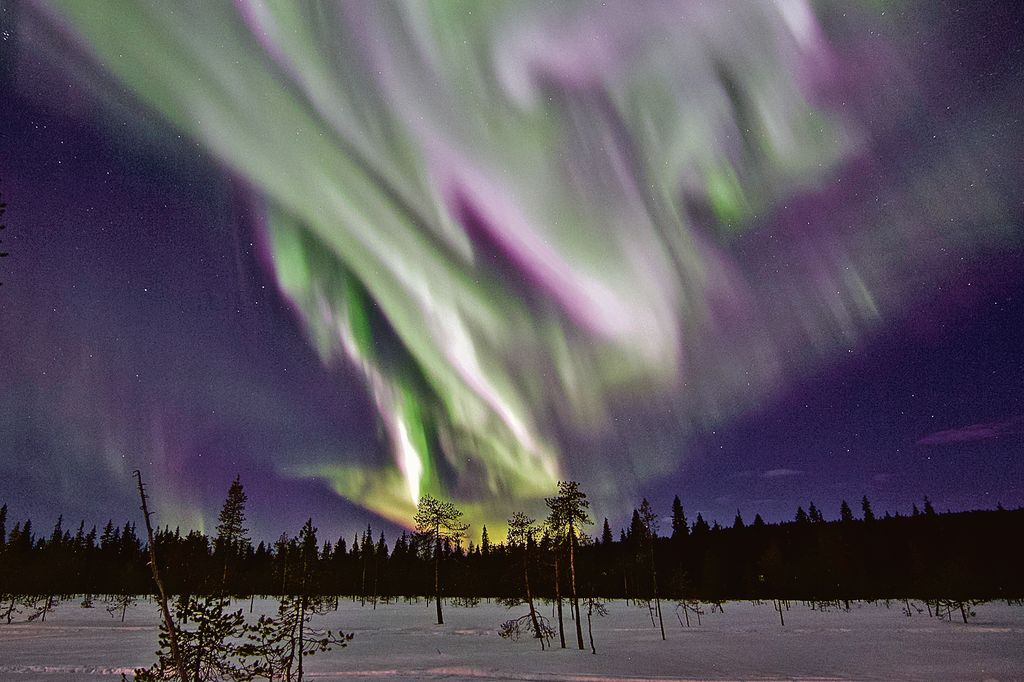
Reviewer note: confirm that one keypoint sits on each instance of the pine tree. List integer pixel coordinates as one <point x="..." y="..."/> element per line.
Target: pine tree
<point x="845" y="513"/>
<point x="485" y="542"/>
<point x="738" y="521"/>
<point x="278" y="645"/>
<point x="680" y="529"/>
<point x="865" y="507"/>
<point x="209" y="646"/>
<point x="438" y="521"/>
<point x="79" y="541"/>
<point x="636" y="531"/>
<point x="814" y="514"/>
<point x="26" y="539"/>
<point x="107" y="538"/>
<point x="232" y="535"/>
<point x="929" y="510"/>
<point x="231" y="530"/>
<point x="801" y="515"/>
<point x="367" y="560"/>
<point x="57" y="536"/>
<point x="568" y="512"/>
<point x="700" y="526"/>
<point x="522" y="534"/>
<point x="758" y="521"/>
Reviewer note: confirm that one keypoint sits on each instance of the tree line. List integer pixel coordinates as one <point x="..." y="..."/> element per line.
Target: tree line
<point x="950" y="561"/>
<point x="974" y="554"/>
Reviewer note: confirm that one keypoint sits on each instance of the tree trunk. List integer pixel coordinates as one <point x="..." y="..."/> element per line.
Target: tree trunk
<point x="529" y="600"/>
<point x="302" y="630"/>
<point x="437" y="578"/>
<point x="572" y="586"/>
<point x="558" y="600"/>
<point x="590" y="628"/>
<point x="172" y="630"/>
<point x="362" y="584"/>
<point x="657" y="600"/>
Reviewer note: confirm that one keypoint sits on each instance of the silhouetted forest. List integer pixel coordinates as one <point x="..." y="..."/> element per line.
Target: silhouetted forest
<point x="965" y="555"/>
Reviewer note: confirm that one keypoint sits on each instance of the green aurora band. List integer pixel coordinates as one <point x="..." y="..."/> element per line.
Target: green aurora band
<point x="522" y="221"/>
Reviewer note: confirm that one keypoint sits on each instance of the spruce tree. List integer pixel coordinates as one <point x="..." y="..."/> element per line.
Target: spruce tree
<point x="865" y="507"/>
<point x="26" y="539"/>
<point x="700" y="526"/>
<point x="232" y="535"/>
<point x="485" y="542"/>
<point x="929" y="510"/>
<point x="680" y="529"/>
<point x="57" y="536"/>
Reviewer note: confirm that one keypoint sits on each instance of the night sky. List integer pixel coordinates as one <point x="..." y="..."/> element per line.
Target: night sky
<point x="817" y="311"/>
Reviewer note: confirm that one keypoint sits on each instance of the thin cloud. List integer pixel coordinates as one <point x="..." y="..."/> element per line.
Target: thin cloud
<point x="1013" y="426"/>
<point x="781" y="473"/>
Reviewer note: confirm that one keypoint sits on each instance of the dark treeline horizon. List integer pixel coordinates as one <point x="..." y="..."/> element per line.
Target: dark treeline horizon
<point x="972" y="554"/>
<point x="344" y="528"/>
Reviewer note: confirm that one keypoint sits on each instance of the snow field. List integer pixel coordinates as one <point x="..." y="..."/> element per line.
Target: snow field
<point x="401" y="641"/>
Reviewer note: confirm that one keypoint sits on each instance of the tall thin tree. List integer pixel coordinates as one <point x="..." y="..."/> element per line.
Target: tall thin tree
<point x="232" y="535"/>
<point x="172" y="630"/>
<point x="568" y="512"/>
<point x="650" y="525"/>
<point x="437" y="522"/>
<point x="522" y="533"/>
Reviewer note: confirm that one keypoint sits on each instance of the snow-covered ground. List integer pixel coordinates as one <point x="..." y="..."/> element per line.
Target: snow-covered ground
<point x="401" y="641"/>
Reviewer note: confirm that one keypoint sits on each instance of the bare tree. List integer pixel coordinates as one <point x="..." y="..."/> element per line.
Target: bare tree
<point x="171" y="630"/>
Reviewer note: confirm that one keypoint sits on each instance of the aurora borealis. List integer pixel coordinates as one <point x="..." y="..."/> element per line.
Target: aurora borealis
<point x="376" y="250"/>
